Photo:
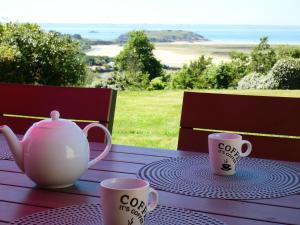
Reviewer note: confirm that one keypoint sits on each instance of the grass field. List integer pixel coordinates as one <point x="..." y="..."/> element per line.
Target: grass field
<point x="151" y="118"/>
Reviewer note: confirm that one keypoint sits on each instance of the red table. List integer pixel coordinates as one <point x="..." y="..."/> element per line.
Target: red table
<point x="19" y="196"/>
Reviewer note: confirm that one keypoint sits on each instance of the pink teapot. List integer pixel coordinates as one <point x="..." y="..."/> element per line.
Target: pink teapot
<point x="54" y="152"/>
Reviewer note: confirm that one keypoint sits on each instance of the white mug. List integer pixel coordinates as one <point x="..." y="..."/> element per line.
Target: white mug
<point x="225" y="150"/>
<point x="125" y="201"/>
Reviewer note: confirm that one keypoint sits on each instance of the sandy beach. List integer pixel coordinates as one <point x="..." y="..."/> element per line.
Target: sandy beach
<point x="177" y="54"/>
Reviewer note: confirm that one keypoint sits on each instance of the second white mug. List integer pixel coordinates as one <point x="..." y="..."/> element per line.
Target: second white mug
<point x="225" y="150"/>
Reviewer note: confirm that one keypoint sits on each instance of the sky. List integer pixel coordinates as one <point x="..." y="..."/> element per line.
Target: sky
<point x="252" y="12"/>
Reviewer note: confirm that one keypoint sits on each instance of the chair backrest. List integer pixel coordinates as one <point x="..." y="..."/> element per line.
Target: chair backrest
<point x="276" y="121"/>
<point x="83" y="105"/>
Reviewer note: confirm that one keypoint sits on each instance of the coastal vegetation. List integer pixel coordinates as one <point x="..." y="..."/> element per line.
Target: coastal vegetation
<point x="30" y="55"/>
<point x="137" y="56"/>
<point x="136" y="65"/>
<point x="283" y="75"/>
<point x="255" y="69"/>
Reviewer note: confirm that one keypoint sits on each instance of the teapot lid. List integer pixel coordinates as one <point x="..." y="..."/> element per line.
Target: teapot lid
<point x="54" y="121"/>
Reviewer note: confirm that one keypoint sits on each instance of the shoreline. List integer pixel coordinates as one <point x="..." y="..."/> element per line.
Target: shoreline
<point x="216" y="42"/>
<point x="176" y="54"/>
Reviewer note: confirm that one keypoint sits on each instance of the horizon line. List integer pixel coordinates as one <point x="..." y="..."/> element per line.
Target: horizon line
<point x="2" y="20"/>
<point x="189" y="24"/>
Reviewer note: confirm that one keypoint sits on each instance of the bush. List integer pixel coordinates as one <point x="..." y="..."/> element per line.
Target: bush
<point x="220" y="76"/>
<point x="250" y="81"/>
<point x="125" y="80"/>
<point x="116" y="81"/>
<point x="188" y="77"/>
<point x="224" y="76"/>
<point x="240" y="66"/>
<point x="30" y="55"/>
<point x="182" y="79"/>
<point x="157" y="84"/>
<point x="207" y="79"/>
<point x="285" y="51"/>
<point x="285" y="74"/>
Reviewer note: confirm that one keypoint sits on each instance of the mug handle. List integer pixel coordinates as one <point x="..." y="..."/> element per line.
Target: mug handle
<point x="249" y="148"/>
<point x="108" y="145"/>
<point x="154" y="202"/>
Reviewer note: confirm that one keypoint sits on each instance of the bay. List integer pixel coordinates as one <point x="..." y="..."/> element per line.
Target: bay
<point x="217" y="33"/>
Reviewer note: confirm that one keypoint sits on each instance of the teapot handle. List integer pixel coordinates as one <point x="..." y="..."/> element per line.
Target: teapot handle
<point x="108" y="145"/>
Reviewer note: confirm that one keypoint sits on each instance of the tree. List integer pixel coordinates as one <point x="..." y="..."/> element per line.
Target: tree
<point x="224" y="76"/>
<point x="263" y="57"/>
<point x="137" y="56"/>
<point x="189" y="75"/>
<point x="30" y="55"/>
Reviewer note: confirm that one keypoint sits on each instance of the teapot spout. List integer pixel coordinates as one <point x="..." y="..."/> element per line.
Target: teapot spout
<point x="14" y="145"/>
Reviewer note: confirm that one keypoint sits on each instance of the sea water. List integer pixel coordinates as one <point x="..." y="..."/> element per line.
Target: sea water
<point x="218" y="33"/>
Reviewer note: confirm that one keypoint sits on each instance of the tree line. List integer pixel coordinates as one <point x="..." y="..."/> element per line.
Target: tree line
<point x="30" y="55"/>
<point x="265" y="67"/>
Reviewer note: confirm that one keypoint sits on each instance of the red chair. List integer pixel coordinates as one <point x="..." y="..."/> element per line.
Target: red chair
<point x="271" y="124"/>
<point x="21" y="104"/>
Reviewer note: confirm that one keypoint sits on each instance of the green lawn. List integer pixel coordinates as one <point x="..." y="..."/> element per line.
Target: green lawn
<point x="151" y="118"/>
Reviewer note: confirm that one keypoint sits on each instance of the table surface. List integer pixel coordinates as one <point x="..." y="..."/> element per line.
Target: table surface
<point x="20" y="197"/>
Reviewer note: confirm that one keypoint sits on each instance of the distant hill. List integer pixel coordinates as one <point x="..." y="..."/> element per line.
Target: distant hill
<point x="167" y="36"/>
<point x="87" y="43"/>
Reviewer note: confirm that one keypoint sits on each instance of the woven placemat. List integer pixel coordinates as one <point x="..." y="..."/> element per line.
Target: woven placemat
<point x="5" y="151"/>
<point x="191" y="175"/>
<point x="90" y="214"/>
